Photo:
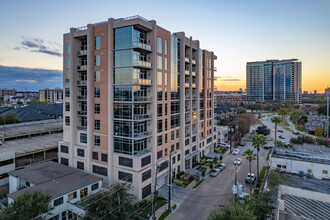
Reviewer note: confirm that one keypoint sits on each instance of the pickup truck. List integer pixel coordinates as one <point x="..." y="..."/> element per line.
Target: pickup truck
<point x="251" y="178"/>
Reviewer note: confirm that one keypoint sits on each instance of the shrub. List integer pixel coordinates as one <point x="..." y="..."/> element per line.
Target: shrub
<point x="179" y="174"/>
<point x="203" y="173"/>
<point x="215" y="160"/>
<point x="203" y="162"/>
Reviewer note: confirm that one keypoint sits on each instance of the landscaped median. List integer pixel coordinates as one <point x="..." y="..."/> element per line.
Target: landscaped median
<point x="166" y="213"/>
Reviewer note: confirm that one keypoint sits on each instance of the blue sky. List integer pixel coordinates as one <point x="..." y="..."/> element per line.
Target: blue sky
<point x="237" y="31"/>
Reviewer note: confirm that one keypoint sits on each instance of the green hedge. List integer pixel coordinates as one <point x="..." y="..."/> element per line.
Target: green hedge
<point x="166" y="213"/>
<point x="199" y="183"/>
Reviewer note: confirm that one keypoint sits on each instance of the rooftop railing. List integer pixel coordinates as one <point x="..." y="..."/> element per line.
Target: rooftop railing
<point x="131" y="18"/>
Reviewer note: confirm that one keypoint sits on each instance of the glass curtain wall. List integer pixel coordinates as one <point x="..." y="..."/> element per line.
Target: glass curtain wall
<point x="175" y="82"/>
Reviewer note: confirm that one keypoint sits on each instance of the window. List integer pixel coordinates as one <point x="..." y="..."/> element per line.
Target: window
<point x="97" y="92"/>
<point x="159" y="95"/>
<point x="97" y="140"/>
<point x="95" y="156"/>
<point x="80" y="165"/>
<point x="324" y="172"/>
<point x="159" y="154"/>
<point x="97" y="42"/>
<point x="67" y="64"/>
<point x="173" y="160"/>
<point x="165" y="47"/>
<point x="128" y="177"/>
<point x="97" y="76"/>
<point x="160" y="125"/>
<point x="177" y="133"/>
<point x="97" y="60"/>
<point x="172" y="147"/>
<point x="104" y="157"/>
<point x="97" y="108"/>
<point x="146" y="175"/>
<point x="127" y="162"/>
<point x="80" y="152"/>
<point x="159" y="45"/>
<point x="165" y="138"/>
<point x="64" y="161"/>
<point x="165" y="124"/>
<point x="95" y="186"/>
<point x="97" y="125"/>
<point x="179" y="155"/>
<point x="72" y="196"/>
<point x="165" y="108"/>
<point x="67" y="106"/>
<point x="67" y="47"/>
<point x="159" y="78"/>
<point x="67" y="92"/>
<point x="146" y="191"/>
<point x="177" y="146"/>
<point x="165" y="152"/>
<point x="100" y="170"/>
<point x="64" y="149"/>
<point x="145" y="161"/>
<point x="67" y="120"/>
<point x="309" y="170"/>
<point x="165" y="65"/>
<point x="159" y="140"/>
<point x="159" y="109"/>
<point x="159" y="62"/>
<point x="58" y="201"/>
<point x="83" y="138"/>
<point x="172" y="135"/>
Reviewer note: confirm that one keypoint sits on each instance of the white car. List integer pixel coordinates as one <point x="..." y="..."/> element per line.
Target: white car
<point x="238" y="161"/>
<point x="224" y="145"/>
<point x="236" y="151"/>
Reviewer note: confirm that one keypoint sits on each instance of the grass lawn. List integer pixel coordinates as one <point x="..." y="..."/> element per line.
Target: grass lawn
<point x="199" y="183"/>
<point x="260" y="122"/>
<point x="148" y="210"/>
<point x="284" y="123"/>
<point x="268" y="154"/>
<point x="287" y="128"/>
<point x="166" y="213"/>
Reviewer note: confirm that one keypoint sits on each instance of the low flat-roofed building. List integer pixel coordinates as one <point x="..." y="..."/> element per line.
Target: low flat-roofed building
<point x="65" y="185"/>
<point x="301" y="204"/>
<point x="302" y="159"/>
<point x="222" y="134"/>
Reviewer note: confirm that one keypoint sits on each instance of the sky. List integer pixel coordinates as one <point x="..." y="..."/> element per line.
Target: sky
<point x="237" y="31"/>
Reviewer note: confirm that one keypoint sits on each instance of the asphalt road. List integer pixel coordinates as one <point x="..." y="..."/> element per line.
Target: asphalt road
<point x="216" y="191"/>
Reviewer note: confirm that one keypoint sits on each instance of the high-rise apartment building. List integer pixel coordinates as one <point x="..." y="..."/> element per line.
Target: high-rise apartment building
<point x="7" y="92"/>
<point x="275" y="80"/>
<point x="136" y="99"/>
<point x="51" y="95"/>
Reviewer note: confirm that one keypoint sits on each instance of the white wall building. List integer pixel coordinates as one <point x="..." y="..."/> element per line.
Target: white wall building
<point x="67" y="188"/>
<point x="222" y="134"/>
<point x="301" y="162"/>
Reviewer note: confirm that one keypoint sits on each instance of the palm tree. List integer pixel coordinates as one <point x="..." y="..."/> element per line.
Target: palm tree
<point x="250" y="156"/>
<point x="258" y="140"/>
<point x="276" y="120"/>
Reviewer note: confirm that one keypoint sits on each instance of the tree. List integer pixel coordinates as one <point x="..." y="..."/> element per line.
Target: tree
<point x="318" y="131"/>
<point x="261" y="205"/>
<point x="116" y="203"/>
<point x="268" y="106"/>
<point x="283" y="112"/>
<point x="295" y="117"/>
<point x="258" y="140"/>
<point x="263" y="130"/>
<point x="233" y="211"/>
<point x="253" y="107"/>
<point x="289" y="103"/>
<point x="9" y="118"/>
<point x="250" y="156"/>
<point x="322" y="110"/>
<point x="245" y="121"/>
<point x="27" y="206"/>
<point x="19" y="102"/>
<point x="276" y="120"/>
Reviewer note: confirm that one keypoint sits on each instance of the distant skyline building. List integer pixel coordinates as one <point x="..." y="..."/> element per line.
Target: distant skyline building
<point x="273" y="80"/>
<point x="136" y="97"/>
<point x="7" y="92"/>
<point x="51" y="95"/>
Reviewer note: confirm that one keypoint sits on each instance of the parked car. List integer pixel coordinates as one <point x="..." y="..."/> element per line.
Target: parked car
<point x="236" y="151"/>
<point x="279" y="130"/>
<point x="224" y="145"/>
<point x="267" y="146"/>
<point x="251" y="178"/>
<point x="296" y="133"/>
<point x="215" y="172"/>
<point x="222" y="166"/>
<point x="238" y="161"/>
<point x="281" y="137"/>
<point x="242" y="143"/>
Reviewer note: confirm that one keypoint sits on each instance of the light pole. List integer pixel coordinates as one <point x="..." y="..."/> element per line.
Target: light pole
<point x="328" y="90"/>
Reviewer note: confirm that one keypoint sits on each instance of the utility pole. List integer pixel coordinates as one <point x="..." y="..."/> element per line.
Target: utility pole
<point x="169" y="182"/>
<point x="328" y="90"/>
<point x="154" y="196"/>
<point x="236" y="182"/>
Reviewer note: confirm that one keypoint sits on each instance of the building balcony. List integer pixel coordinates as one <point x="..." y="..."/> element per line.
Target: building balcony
<point x="142" y="64"/>
<point x="187" y="135"/>
<point x="194" y="108"/>
<point x="187" y="72"/>
<point x="187" y="110"/>
<point x="142" y="99"/>
<point x="194" y="132"/>
<point x="193" y="85"/>
<point x="186" y="59"/>
<point x="194" y="62"/>
<point x="187" y="97"/>
<point x="193" y="73"/>
<point x="187" y="122"/>
<point x="81" y="83"/>
<point x="142" y="46"/>
<point x="81" y="53"/>
<point x="142" y="117"/>
<point x="194" y="97"/>
<point x="82" y="128"/>
<point x="142" y="135"/>
<point x="82" y="113"/>
<point x="187" y="85"/>
<point x="142" y="81"/>
<point x="215" y="69"/>
<point x="82" y="98"/>
<point x="82" y="68"/>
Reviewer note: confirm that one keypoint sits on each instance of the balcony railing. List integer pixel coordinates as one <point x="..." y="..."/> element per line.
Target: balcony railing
<point x="143" y="64"/>
<point x="142" y="99"/>
<point x="194" y="108"/>
<point x="193" y="85"/>
<point x="142" y="117"/>
<point x="187" y="135"/>
<point x="187" y="96"/>
<point x="194" y="132"/>
<point x="83" y="113"/>
<point x="81" y="52"/>
<point x="193" y="62"/>
<point x="188" y="122"/>
<point x="215" y="69"/>
<point x="187" y="109"/>
<point x="82" y="128"/>
<point x="142" y="46"/>
<point x="187" y="84"/>
<point x="186" y="59"/>
<point x="82" y="68"/>
<point x="142" y="81"/>
<point x="82" y="98"/>
<point x="81" y="83"/>
<point x="194" y="97"/>
<point x="187" y="72"/>
<point x="193" y="73"/>
<point x="142" y="134"/>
